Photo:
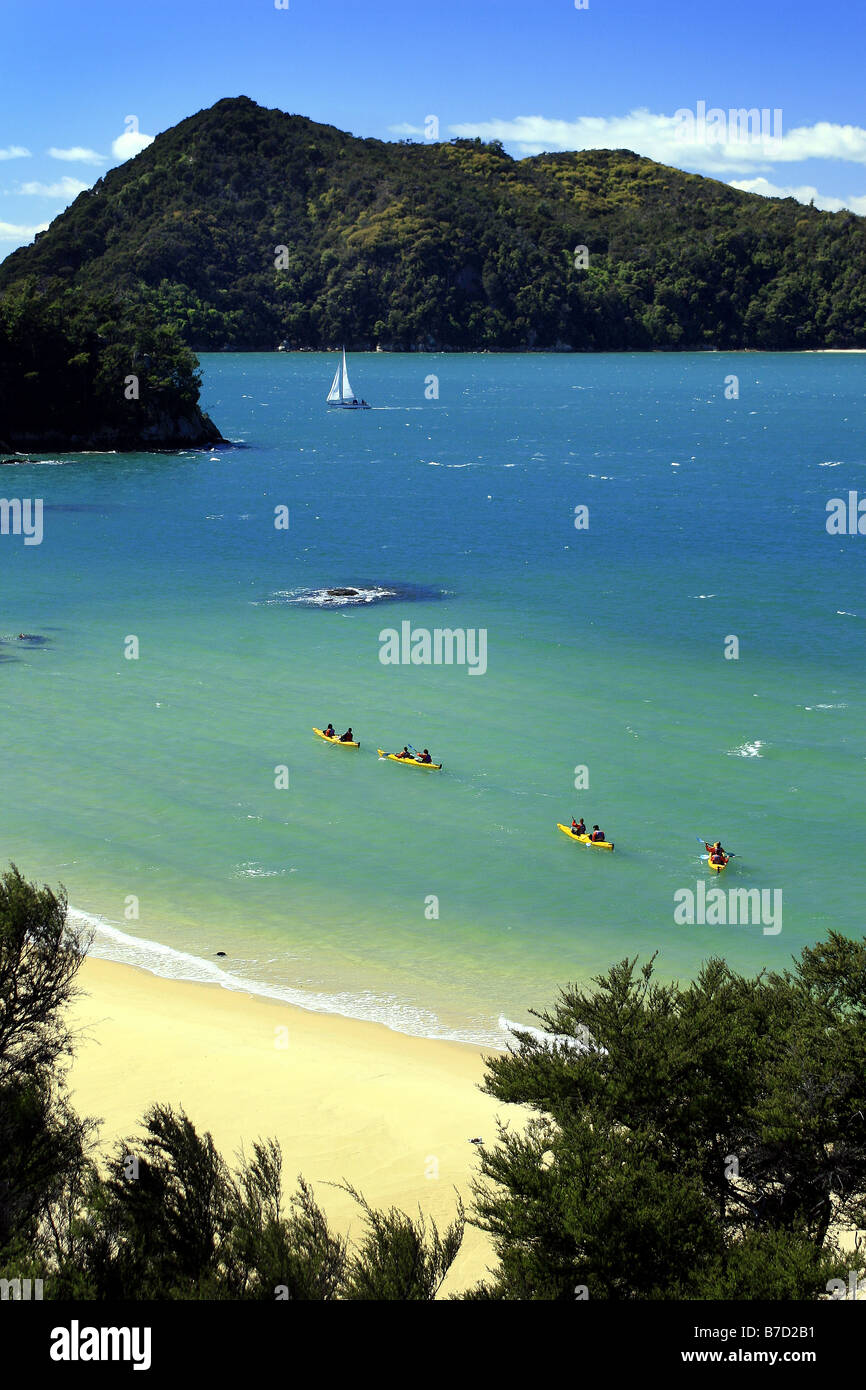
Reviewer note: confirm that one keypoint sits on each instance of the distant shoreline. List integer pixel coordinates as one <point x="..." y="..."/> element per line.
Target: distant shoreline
<point x="521" y="352"/>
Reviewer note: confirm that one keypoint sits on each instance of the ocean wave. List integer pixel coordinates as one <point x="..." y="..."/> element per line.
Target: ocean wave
<point x="114" y="944"/>
<point x="841" y="705"/>
<point x="34" y="463"/>
<point x="748" y="750"/>
<point x="324" y="598"/>
<point x="549" y="1039"/>
<point x="360" y="593"/>
<point x="829" y="464"/>
<point x="254" y="869"/>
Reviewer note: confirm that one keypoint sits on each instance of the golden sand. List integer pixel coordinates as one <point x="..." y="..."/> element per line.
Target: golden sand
<point x="348" y="1100"/>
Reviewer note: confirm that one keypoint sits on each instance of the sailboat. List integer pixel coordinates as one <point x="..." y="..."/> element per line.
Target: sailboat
<point x="341" y="394"/>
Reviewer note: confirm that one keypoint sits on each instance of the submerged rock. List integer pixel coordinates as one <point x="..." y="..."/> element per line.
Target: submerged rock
<point x="352" y="595"/>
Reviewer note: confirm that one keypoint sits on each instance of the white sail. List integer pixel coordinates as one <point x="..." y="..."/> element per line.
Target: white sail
<point x="348" y="393"/>
<point x="334" y="393"/>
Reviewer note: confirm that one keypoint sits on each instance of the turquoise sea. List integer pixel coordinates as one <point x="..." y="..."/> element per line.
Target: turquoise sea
<point x="148" y="786"/>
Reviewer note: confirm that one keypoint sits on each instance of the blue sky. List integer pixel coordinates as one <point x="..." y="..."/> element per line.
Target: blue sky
<point x="538" y="74"/>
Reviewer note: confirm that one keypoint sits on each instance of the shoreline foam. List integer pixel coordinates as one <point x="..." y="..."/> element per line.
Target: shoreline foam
<point x="111" y="943"/>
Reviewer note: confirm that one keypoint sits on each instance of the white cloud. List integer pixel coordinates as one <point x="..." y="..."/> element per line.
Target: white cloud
<point x="66" y="187"/>
<point x="11" y="231"/>
<point x="78" y="154"/>
<point x="804" y="193"/>
<point x="824" y="141"/>
<point x="130" y="143"/>
<point x="405" y="128"/>
<point x="717" y="148"/>
<point x="15" y="152"/>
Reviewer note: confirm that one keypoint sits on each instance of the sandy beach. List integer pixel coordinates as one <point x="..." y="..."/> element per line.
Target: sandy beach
<point x="349" y="1100"/>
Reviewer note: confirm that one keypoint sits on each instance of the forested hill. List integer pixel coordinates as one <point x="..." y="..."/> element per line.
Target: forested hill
<point x="452" y="245"/>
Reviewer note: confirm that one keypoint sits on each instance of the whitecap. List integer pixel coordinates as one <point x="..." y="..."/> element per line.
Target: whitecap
<point x="748" y="750"/>
<point x="549" y="1040"/>
<point x="254" y="869"/>
<point x="320" y="598"/>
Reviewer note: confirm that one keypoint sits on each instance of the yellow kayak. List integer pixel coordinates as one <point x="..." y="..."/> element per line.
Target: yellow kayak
<point x="718" y="868"/>
<point x="335" y="740"/>
<point x="584" y="839"/>
<point x="413" y="762"/>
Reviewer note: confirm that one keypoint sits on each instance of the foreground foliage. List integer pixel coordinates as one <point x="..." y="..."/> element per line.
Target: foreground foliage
<point x="705" y="1142"/>
<point x="688" y="1143"/>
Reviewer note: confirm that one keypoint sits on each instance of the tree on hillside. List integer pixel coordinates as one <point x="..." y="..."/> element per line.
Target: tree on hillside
<point x="699" y="1142"/>
<point x="96" y="370"/>
<point x="43" y="1143"/>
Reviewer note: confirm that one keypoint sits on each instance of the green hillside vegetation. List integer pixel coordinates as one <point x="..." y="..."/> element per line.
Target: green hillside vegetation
<point x="452" y="246"/>
<point x="81" y="371"/>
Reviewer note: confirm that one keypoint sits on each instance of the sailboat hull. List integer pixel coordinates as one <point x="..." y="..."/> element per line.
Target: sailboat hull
<point x="348" y="405"/>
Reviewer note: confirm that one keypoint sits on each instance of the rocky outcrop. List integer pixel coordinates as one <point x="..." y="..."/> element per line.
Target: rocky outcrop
<point x="194" y="430"/>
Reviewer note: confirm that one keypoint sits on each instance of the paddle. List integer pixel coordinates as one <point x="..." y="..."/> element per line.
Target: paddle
<point x="728" y="853"/>
<point x="414" y="751"/>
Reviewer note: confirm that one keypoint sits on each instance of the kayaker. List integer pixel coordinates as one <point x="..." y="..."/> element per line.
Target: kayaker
<point x="425" y="757"/>
<point x="596" y="833"/>
<point x="404" y="754"/>
<point x="330" y="732"/>
<point x="716" y="853"/>
<point x="577" y="826"/>
<point x="347" y="737"/>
